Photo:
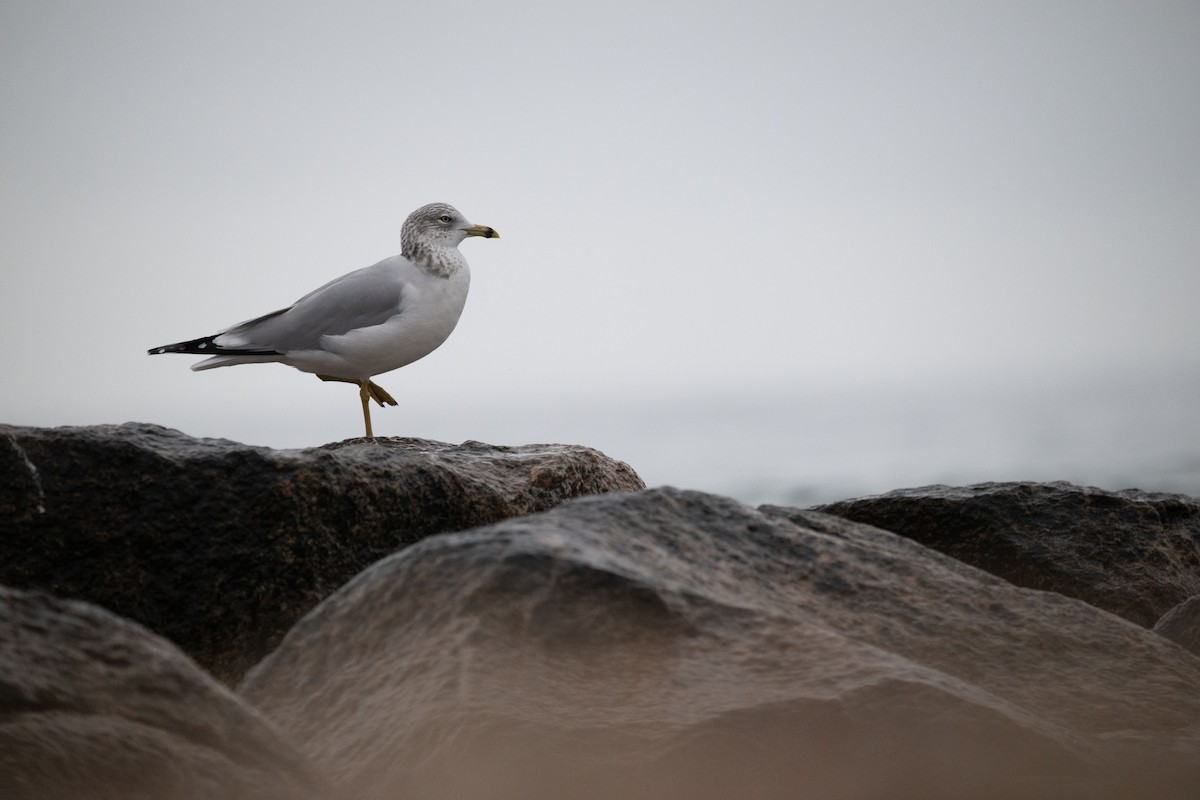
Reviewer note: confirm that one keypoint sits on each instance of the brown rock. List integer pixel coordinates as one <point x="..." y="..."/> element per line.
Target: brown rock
<point x="220" y="547"/>
<point x="675" y="644"/>
<point x="93" y="706"/>
<point x="1135" y="554"/>
<point x="1182" y="624"/>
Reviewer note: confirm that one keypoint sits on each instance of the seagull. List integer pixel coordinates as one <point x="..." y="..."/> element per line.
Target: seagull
<point x="367" y="322"/>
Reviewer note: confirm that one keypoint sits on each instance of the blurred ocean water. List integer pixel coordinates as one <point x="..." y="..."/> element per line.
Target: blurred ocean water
<point x="807" y="447"/>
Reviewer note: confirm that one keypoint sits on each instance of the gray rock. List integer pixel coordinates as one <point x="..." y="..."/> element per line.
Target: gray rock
<point x="220" y="547"/>
<point x="676" y="644"/>
<point x="1135" y="554"/>
<point x="93" y="706"/>
<point x="1182" y="624"/>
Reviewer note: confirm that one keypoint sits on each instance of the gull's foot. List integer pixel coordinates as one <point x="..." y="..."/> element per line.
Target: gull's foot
<point x="378" y="393"/>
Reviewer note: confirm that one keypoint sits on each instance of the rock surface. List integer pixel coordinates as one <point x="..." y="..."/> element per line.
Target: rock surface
<point x="1182" y="624"/>
<point x="668" y="644"/>
<point x="220" y="546"/>
<point x="1135" y="554"/>
<point x="93" y="706"/>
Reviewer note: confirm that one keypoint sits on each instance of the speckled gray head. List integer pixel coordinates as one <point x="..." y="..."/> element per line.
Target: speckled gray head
<point x="439" y="225"/>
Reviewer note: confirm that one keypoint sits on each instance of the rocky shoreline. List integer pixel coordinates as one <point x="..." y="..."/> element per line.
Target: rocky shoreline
<point x="187" y="618"/>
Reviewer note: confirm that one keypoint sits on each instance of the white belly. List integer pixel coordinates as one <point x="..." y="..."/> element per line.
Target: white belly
<point x="428" y="313"/>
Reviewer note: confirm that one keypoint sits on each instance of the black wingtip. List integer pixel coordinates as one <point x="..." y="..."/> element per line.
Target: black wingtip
<point x="205" y="346"/>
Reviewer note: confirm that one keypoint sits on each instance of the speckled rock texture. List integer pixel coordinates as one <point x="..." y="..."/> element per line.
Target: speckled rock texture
<point x="670" y="644"/>
<point x="1135" y="554"/>
<point x="529" y="622"/>
<point x="1182" y="624"/>
<point x="220" y="546"/>
<point x="93" y="706"/>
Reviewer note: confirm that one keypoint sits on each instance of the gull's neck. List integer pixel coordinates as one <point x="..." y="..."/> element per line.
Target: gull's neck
<point x="437" y="260"/>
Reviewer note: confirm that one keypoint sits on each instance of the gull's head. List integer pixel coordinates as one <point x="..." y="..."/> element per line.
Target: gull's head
<point x="439" y="225"/>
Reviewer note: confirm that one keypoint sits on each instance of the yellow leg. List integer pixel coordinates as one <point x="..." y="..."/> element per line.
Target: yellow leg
<point x="365" y="394"/>
<point x="368" y="390"/>
<point x="378" y="393"/>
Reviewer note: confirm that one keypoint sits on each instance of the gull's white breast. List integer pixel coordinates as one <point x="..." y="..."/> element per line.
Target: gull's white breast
<point x="429" y="309"/>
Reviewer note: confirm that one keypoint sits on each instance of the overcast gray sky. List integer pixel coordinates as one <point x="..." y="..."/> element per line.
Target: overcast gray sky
<point x="695" y="198"/>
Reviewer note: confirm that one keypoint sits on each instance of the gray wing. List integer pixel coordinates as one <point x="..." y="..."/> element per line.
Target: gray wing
<point x="359" y="299"/>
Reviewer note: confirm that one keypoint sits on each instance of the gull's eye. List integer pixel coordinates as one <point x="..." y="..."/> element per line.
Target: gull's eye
<point x="444" y="218"/>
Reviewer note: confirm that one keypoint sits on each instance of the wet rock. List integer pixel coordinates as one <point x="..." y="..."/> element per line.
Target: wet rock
<point x="220" y="546"/>
<point x="1135" y="554"/>
<point x="676" y="644"/>
<point x="94" y="706"/>
<point x="1182" y="624"/>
